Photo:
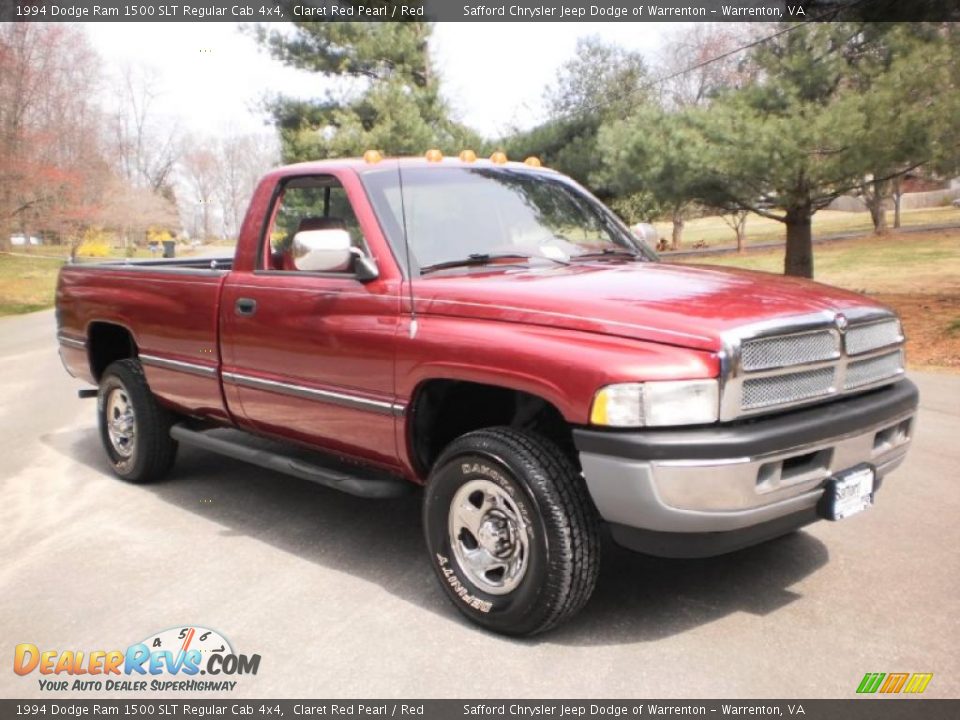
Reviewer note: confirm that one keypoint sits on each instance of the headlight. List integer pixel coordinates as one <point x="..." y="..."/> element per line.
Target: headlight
<point x="683" y="402"/>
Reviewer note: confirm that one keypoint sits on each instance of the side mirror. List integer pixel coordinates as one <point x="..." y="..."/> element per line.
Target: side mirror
<point x="322" y="250"/>
<point x="365" y="267"/>
<point x="646" y="233"/>
<point x="331" y="250"/>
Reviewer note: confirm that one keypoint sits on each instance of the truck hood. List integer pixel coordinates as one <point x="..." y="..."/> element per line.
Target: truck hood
<point x="685" y="305"/>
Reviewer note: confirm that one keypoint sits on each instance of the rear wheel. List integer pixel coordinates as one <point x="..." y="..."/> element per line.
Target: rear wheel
<point x="134" y="428"/>
<point x="512" y="533"/>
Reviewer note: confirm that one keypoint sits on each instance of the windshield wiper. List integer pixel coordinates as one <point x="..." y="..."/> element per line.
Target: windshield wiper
<point x="484" y="259"/>
<point x="608" y="253"/>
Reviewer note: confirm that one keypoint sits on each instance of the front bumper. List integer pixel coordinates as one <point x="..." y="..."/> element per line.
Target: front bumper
<point x="710" y="490"/>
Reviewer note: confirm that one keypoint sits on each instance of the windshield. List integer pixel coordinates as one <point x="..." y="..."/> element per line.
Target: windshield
<point x="457" y="213"/>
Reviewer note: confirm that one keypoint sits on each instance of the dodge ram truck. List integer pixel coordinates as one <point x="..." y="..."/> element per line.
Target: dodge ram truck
<point x="489" y="334"/>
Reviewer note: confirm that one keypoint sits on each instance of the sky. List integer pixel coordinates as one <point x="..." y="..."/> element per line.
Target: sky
<point x="213" y="76"/>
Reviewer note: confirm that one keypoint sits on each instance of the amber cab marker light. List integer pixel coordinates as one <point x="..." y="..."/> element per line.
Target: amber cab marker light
<point x="498" y="158"/>
<point x="434" y="155"/>
<point x="532" y="161"/>
<point x="467" y="156"/>
<point x="372" y="156"/>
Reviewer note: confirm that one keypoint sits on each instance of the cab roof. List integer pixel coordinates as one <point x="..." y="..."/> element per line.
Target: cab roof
<point x="361" y="165"/>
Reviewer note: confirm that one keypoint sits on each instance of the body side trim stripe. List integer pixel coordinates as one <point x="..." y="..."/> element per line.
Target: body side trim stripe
<point x="72" y="342"/>
<point x="335" y="398"/>
<point x="207" y="371"/>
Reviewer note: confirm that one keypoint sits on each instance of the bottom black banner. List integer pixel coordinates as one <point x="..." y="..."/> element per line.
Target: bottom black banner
<point x="854" y="709"/>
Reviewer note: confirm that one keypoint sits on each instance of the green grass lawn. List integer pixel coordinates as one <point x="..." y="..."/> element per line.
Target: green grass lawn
<point x="911" y="262"/>
<point x="28" y="278"/>
<point x="918" y="274"/>
<point x="27" y="283"/>
<point x="717" y="234"/>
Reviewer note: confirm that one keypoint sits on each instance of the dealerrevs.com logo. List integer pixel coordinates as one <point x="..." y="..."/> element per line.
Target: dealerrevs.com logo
<point x="169" y="661"/>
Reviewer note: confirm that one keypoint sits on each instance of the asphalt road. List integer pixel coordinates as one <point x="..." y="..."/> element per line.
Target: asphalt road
<point x="336" y="595"/>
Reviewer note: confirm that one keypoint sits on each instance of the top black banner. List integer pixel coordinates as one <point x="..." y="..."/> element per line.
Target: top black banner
<point x="479" y="10"/>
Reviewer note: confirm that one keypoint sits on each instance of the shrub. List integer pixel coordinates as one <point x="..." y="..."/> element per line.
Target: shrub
<point x="94" y="243"/>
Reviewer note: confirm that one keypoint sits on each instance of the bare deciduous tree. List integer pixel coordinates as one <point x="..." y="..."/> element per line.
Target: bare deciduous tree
<point x="702" y="59"/>
<point x="131" y="211"/>
<point x="242" y="159"/>
<point x="146" y="144"/>
<point x="200" y="168"/>
<point x="737" y="221"/>
<point x="51" y="166"/>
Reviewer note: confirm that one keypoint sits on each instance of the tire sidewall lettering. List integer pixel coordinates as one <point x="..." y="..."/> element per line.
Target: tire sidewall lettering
<point x="510" y="607"/>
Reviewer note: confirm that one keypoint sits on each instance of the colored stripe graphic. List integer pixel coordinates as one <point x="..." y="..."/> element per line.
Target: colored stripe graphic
<point x="894" y="682"/>
<point x="918" y="682"/>
<point x="870" y="682"/>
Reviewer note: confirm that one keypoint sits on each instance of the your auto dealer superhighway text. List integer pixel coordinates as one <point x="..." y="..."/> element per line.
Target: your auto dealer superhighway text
<point x="543" y="11"/>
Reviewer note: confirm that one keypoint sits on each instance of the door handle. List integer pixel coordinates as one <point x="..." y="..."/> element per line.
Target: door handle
<point x="246" y="306"/>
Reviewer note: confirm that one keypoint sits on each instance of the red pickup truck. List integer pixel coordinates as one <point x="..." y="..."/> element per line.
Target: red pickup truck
<point x="490" y="331"/>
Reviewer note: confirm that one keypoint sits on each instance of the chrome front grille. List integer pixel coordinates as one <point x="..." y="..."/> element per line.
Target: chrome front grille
<point x="873" y="336"/>
<point x="866" y="372"/>
<point x="786" y="350"/>
<point x="762" y="392"/>
<point x="809" y="359"/>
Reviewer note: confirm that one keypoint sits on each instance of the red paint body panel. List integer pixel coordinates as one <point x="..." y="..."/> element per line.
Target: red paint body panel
<point x="566" y="368"/>
<point x="172" y="316"/>
<point x="559" y="332"/>
<point x="332" y="334"/>
<point x="683" y="305"/>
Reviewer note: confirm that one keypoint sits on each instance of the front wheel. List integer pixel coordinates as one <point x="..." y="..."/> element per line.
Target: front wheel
<point x="512" y="533"/>
<point x="134" y="428"/>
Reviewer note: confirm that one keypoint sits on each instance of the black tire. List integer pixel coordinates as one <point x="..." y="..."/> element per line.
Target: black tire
<point x="150" y="455"/>
<point x="541" y="486"/>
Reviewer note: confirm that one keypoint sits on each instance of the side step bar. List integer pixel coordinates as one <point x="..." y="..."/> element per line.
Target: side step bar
<point x="377" y="486"/>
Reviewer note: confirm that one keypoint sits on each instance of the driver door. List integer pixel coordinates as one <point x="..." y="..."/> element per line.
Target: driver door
<point x="307" y="355"/>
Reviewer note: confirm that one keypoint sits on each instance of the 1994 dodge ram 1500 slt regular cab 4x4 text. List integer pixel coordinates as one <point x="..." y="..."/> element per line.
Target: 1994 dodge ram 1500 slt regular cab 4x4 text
<point x="492" y="332"/>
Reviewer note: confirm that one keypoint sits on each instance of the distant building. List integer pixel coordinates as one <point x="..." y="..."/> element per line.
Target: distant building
<point x="21" y="240"/>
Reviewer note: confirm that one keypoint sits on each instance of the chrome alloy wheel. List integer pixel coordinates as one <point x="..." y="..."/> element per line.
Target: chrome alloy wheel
<point x="488" y="536"/>
<point x="121" y="422"/>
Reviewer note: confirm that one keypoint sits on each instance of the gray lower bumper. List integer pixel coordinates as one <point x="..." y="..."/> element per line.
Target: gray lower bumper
<point x="743" y="483"/>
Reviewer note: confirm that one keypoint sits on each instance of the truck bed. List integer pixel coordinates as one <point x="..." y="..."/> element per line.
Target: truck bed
<point x="167" y="308"/>
<point x="175" y="264"/>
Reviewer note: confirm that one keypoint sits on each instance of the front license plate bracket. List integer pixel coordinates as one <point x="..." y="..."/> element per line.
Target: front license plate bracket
<point x="848" y="493"/>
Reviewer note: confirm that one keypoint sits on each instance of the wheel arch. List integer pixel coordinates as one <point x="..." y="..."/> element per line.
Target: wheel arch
<point x="107" y="342"/>
<point x="442" y="409"/>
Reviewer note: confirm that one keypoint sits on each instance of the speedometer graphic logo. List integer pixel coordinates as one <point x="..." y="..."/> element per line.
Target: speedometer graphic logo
<point x="184" y="639"/>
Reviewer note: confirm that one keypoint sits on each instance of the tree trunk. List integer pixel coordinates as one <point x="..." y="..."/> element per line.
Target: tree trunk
<point x="741" y="229"/>
<point x="799" y="257"/>
<point x="206" y="221"/>
<point x="897" y="194"/>
<point x="678" y="224"/>
<point x="6" y="226"/>
<point x="878" y="213"/>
